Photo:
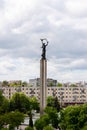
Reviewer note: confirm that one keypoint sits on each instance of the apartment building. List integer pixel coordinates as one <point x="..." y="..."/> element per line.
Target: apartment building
<point x="66" y="95"/>
<point x="36" y="82"/>
<point x="69" y="95"/>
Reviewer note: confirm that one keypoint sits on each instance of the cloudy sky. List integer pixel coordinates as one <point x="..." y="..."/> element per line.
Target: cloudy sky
<point x="62" y="22"/>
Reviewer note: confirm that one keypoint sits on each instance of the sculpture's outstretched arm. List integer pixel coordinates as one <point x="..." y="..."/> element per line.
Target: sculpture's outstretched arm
<point x="47" y="43"/>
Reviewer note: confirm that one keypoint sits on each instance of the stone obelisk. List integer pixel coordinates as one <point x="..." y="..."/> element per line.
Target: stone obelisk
<point x="43" y="76"/>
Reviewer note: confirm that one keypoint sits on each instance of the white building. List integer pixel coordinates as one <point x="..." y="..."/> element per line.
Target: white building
<point x="66" y="95"/>
<point x="36" y="82"/>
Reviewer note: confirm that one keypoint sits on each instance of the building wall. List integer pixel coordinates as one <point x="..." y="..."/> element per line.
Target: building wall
<point x="36" y="82"/>
<point x="64" y="94"/>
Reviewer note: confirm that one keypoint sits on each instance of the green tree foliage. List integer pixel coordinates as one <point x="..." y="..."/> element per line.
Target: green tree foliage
<point x="50" y="84"/>
<point x="42" y="122"/>
<point x="16" y="83"/>
<point x="56" y="104"/>
<point x="84" y="128"/>
<point x="73" y="85"/>
<point x="59" y="85"/>
<point x="24" y="84"/>
<point x="24" y="104"/>
<point x="2" y="121"/>
<point x="53" y="116"/>
<point x="4" y="129"/>
<point x="69" y="118"/>
<point x="20" y="102"/>
<point x="15" y="118"/>
<point x="11" y="127"/>
<point x="83" y="116"/>
<point x="50" y="101"/>
<point x="52" y="109"/>
<point x="4" y="104"/>
<point x="73" y="117"/>
<point x="29" y="128"/>
<point x="5" y="83"/>
<point x="34" y="104"/>
<point x="30" y="118"/>
<point x="13" y="84"/>
<point x="48" y="128"/>
<point x="53" y="102"/>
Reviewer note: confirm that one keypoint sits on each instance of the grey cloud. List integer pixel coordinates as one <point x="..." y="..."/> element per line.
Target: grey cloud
<point x="69" y="43"/>
<point x="11" y="68"/>
<point x="2" y="2"/>
<point x="72" y="64"/>
<point x="47" y="19"/>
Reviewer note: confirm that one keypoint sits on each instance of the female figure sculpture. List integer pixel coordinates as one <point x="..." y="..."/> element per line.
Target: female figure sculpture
<point x="44" y="49"/>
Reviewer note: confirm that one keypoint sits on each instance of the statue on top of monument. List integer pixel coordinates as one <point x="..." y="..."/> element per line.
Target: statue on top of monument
<point x="44" y="48"/>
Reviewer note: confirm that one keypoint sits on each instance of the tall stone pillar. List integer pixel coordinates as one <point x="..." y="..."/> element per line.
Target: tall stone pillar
<point x="43" y="77"/>
<point x="43" y="87"/>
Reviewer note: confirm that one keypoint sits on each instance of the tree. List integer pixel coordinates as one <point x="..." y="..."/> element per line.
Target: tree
<point x="53" y="116"/>
<point x="4" y="129"/>
<point x="83" y="116"/>
<point x="50" y="84"/>
<point x="29" y="128"/>
<point x="48" y="128"/>
<point x="4" y="104"/>
<point x="5" y="83"/>
<point x="56" y="104"/>
<point x="53" y="102"/>
<point x="20" y="102"/>
<point x="1" y="122"/>
<point x="34" y="104"/>
<point x="42" y="122"/>
<point x="16" y="83"/>
<point x="59" y="85"/>
<point x="15" y="103"/>
<point x="70" y="118"/>
<point x="15" y="119"/>
<point x="24" y="104"/>
<point x="24" y="83"/>
<point x="84" y="128"/>
<point x="30" y="118"/>
<point x="73" y="85"/>
<point x="50" y="101"/>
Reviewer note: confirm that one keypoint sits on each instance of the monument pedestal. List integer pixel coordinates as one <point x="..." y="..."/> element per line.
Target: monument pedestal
<point x="43" y="84"/>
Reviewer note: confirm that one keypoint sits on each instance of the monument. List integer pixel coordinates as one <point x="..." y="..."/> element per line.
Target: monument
<point x="43" y="76"/>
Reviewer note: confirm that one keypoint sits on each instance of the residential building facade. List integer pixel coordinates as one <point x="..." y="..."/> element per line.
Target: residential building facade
<point x="66" y="95"/>
<point x="36" y="82"/>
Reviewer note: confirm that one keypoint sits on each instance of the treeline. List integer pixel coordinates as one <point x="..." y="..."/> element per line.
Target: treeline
<point x="69" y="118"/>
<point x="13" y="112"/>
<point x="18" y="83"/>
